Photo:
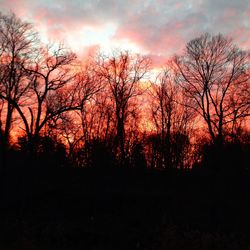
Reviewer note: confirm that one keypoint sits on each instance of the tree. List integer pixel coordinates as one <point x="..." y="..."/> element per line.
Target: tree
<point x="90" y="84"/>
<point x="54" y="88"/>
<point x="86" y="123"/>
<point x="163" y="102"/>
<point x="50" y="92"/>
<point x="214" y="74"/>
<point x="18" y="44"/>
<point x="122" y="74"/>
<point x="172" y="120"/>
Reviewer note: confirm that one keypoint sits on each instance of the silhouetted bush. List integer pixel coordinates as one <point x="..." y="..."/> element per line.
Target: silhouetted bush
<point x="96" y="154"/>
<point x="101" y="156"/>
<point x="227" y="157"/>
<point x="138" y="158"/>
<point x="45" y="149"/>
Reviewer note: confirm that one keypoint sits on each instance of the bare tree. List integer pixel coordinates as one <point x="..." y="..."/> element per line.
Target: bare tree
<point x="90" y="84"/>
<point x="18" y="43"/>
<point x="214" y="74"/>
<point x="172" y="119"/>
<point x="163" y="91"/>
<point x="50" y="93"/>
<point x="98" y="118"/>
<point x="89" y="116"/>
<point x="54" y="89"/>
<point x="122" y="73"/>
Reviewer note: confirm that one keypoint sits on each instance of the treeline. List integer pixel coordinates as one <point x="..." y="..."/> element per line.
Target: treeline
<point x="111" y="110"/>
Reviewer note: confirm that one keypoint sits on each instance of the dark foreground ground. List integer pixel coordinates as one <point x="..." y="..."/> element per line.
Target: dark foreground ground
<point x="50" y="208"/>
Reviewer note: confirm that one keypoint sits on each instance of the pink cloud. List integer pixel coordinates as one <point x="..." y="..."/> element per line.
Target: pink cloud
<point x="178" y="5"/>
<point x="159" y="27"/>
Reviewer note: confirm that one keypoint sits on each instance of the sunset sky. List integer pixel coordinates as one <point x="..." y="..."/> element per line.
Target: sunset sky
<point x="155" y="27"/>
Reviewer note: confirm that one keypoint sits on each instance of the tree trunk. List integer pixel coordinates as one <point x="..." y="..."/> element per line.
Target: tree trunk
<point x="120" y="135"/>
<point x="6" y="134"/>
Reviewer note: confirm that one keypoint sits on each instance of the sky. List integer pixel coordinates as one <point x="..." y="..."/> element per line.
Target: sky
<point x="159" y="28"/>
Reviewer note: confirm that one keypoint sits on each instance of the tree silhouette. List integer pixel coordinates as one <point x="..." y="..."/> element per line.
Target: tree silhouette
<point x="214" y="74"/>
<point x="172" y="119"/>
<point x="18" y="45"/>
<point x="122" y="74"/>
